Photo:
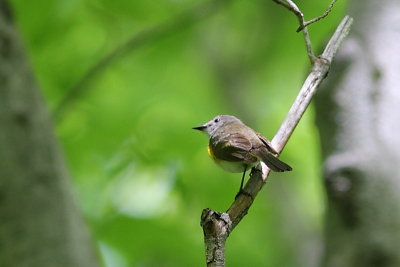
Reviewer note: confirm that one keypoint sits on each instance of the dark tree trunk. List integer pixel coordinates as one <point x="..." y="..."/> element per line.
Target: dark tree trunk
<point x="358" y="115"/>
<point x="39" y="224"/>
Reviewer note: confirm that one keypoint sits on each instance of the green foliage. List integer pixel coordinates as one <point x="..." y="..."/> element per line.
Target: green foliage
<point x="140" y="173"/>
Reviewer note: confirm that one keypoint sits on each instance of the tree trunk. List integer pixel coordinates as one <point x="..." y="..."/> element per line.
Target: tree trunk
<point x="358" y="115"/>
<point x="39" y="224"/>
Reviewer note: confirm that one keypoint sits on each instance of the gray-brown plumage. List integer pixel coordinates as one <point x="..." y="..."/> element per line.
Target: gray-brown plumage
<point x="236" y="147"/>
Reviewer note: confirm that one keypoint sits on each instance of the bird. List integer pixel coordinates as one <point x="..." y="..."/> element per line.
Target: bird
<point x="236" y="147"/>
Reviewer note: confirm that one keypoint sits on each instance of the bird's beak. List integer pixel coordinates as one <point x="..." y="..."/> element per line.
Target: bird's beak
<point x="200" y="128"/>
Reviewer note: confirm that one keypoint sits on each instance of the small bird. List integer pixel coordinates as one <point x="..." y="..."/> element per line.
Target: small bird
<point x="236" y="147"/>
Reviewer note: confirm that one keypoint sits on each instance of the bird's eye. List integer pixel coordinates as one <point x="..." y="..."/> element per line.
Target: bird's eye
<point x="216" y="120"/>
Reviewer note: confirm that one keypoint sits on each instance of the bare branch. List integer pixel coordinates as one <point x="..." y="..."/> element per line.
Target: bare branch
<point x="293" y="8"/>
<point x="289" y="4"/>
<point x="327" y="11"/>
<point x="244" y="200"/>
<point x="314" y="79"/>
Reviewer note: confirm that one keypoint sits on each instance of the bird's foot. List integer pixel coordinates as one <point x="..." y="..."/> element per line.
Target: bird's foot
<point x="254" y="170"/>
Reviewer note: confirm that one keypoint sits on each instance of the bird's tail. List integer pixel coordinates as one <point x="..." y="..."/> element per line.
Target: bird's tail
<point x="274" y="163"/>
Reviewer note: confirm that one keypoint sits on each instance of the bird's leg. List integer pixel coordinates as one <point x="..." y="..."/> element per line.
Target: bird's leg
<point x="244" y="173"/>
<point x="241" y="191"/>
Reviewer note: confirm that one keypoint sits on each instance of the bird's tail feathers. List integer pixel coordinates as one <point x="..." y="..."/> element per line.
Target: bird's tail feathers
<point x="275" y="164"/>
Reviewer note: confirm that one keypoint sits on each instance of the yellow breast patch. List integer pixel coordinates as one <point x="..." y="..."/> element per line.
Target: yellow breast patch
<point x="211" y="152"/>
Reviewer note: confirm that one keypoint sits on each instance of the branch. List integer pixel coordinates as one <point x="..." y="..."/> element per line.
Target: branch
<point x="244" y="200"/>
<point x="291" y="6"/>
<point x="327" y="11"/>
<point x="138" y="40"/>
<point x="314" y="79"/>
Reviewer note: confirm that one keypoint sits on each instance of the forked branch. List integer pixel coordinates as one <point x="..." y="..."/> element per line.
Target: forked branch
<point x="291" y="6"/>
<point x="311" y="21"/>
<point x="217" y="225"/>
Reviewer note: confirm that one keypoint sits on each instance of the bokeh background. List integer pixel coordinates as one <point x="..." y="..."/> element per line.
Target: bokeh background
<point x="142" y="74"/>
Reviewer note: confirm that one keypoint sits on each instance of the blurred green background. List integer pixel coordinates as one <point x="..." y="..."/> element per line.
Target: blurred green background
<point x="141" y="174"/>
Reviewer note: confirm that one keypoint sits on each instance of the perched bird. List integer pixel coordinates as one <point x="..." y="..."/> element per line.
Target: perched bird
<point x="236" y="147"/>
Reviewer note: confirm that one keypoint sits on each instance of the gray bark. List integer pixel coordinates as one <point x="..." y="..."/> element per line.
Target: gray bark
<point x="358" y="115"/>
<point x="39" y="224"/>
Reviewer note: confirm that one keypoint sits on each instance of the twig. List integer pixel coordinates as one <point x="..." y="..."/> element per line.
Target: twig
<point x="318" y="73"/>
<point x="293" y="8"/>
<point x="238" y="209"/>
<point x="289" y="4"/>
<point x="327" y="11"/>
<point x="153" y="34"/>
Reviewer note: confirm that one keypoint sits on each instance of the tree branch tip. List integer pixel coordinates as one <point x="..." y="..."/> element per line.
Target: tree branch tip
<point x="345" y="23"/>
<point x="337" y="38"/>
<point x="348" y="19"/>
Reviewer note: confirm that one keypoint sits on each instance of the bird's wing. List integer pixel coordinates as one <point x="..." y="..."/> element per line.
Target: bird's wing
<point x="234" y="147"/>
<point x="267" y="143"/>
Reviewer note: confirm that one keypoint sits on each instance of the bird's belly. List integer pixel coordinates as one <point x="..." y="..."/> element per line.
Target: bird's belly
<point x="233" y="166"/>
